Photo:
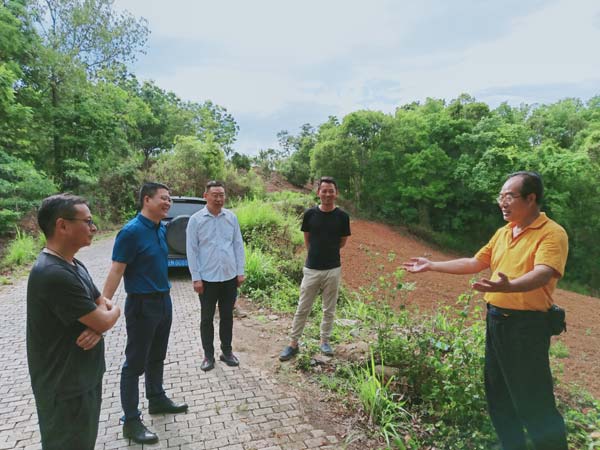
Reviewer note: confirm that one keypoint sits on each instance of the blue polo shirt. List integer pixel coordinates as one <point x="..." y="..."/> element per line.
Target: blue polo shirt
<point x="142" y="245"/>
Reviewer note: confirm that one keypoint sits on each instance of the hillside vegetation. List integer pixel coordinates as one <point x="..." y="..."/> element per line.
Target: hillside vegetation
<point x="438" y="166"/>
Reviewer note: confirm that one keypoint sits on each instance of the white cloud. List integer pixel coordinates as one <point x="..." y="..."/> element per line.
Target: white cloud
<point x="274" y="31"/>
<point x="556" y="45"/>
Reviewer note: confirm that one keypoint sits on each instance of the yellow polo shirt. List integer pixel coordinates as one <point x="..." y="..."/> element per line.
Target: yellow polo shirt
<point x="543" y="242"/>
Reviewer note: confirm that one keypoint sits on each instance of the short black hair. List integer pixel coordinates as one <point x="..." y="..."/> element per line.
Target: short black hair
<point x="327" y="180"/>
<point x="532" y="184"/>
<point x="149" y="189"/>
<point x="57" y="206"/>
<point x="214" y="183"/>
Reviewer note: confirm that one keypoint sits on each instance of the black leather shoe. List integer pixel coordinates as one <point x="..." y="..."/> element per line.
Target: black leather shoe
<point x="207" y="364"/>
<point x="166" y="406"/>
<point x="230" y="359"/>
<point x="137" y="432"/>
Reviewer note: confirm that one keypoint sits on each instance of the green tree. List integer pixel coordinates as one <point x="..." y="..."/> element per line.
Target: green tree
<point x="296" y="165"/>
<point x="18" y="45"/>
<point x="190" y="165"/>
<point x="559" y="122"/>
<point x="332" y="157"/>
<point x="241" y="161"/>
<point x="210" y="119"/>
<point x="83" y="40"/>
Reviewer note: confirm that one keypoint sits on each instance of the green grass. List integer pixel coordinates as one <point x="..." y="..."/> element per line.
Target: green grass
<point x="22" y="250"/>
<point x="258" y="214"/>
<point x="559" y="349"/>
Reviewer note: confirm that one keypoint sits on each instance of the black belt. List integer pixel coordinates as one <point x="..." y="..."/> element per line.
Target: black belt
<point x="157" y="294"/>
<point x="505" y="312"/>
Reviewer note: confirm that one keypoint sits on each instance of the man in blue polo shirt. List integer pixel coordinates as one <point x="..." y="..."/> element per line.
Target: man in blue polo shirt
<point x="140" y="257"/>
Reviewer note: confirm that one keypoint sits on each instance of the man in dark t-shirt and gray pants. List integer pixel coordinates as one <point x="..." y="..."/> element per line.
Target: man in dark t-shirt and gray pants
<point x="326" y="229"/>
<point x="66" y="316"/>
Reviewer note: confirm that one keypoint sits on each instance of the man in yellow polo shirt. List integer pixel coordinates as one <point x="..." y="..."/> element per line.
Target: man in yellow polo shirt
<point x="526" y="257"/>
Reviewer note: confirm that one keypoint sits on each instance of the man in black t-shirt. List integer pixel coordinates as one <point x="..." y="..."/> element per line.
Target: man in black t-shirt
<point x="66" y="316"/>
<point x="326" y="229"/>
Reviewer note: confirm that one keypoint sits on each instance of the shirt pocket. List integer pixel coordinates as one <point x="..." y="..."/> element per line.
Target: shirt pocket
<point x="227" y="233"/>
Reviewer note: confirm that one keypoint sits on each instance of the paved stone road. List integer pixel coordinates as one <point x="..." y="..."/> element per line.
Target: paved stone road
<point x="230" y="408"/>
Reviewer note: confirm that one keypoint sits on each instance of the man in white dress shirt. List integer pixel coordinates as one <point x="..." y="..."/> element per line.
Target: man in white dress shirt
<point x="215" y="252"/>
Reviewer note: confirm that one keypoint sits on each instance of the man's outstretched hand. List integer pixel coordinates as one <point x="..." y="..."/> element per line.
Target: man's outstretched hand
<point x="417" y="265"/>
<point x="486" y="285"/>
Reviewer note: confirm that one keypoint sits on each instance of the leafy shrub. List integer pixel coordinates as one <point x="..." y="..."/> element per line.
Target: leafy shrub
<point x="190" y="165"/>
<point x="243" y="184"/>
<point x="8" y="219"/>
<point x="116" y="196"/>
<point x="291" y="203"/>
<point x="582" y="418"/>
<point x="441" y="364"/>
<point x="268" y="229"/>
<point x="292" y="267"/>
<point x="256" y="214"/>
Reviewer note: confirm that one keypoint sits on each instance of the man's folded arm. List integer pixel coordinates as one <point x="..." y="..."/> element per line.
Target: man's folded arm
<point x="101" y="319"/>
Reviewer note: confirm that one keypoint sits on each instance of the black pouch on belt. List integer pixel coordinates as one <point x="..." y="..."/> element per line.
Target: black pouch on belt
<point x="556" y="317"/>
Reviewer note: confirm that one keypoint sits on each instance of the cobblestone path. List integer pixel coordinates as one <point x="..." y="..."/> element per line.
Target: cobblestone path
<point x="230" y="408"/>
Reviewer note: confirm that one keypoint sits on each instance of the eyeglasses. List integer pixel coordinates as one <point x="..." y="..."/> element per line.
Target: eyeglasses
<point x="90" y="222"/>
<point x="509" y="197"/>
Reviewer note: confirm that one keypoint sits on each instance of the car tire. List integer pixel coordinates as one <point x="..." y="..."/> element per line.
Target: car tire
<point x="176" y="234"/>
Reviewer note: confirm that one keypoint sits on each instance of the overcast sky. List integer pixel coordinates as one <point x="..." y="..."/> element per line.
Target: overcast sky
<point x="276" y="64"/>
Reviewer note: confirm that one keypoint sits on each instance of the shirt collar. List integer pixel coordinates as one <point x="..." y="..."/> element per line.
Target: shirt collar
<point x="147" y="222"/>
<point x="537" y="223"/>
<point x="205" y="212"/>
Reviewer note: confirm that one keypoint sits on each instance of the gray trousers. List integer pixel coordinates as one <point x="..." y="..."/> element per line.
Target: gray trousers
<point x="327" y="281"/>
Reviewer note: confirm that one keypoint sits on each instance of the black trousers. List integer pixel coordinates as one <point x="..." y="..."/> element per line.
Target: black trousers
<point x="222" y="293"/>
<point x="148" y="318"/>
<point x="518" y="381"/>
<point x="71" y="423"/>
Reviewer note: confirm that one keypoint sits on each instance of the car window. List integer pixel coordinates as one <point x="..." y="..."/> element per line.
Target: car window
<point x="187" y="209"/>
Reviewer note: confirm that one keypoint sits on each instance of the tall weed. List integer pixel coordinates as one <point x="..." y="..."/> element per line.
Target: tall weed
<point x="261" y="270"/>
<point x="382" y="405"/>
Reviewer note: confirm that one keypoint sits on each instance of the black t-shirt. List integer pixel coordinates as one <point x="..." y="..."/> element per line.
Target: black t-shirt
<point x="57" y="295"/>
<point x="325" y="231"/>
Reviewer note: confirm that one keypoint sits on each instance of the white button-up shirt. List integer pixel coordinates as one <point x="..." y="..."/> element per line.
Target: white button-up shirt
<point x="215" y="250"/>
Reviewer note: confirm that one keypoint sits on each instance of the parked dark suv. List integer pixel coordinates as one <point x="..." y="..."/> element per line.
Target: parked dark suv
<point x="176" y="222"/>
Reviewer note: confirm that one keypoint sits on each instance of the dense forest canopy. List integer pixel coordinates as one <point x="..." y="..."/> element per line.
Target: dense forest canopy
<point x="73" y="117"/>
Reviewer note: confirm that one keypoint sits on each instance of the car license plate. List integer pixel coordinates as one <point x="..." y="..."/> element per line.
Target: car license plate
<point x="178" y="262"/>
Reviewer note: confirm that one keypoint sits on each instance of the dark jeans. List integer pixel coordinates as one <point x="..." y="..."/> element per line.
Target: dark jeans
<point x="518" y="381"/>
<point x="148" y="318"/>
<point x="71" y="423"/>
<point x="222" y="293"/>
